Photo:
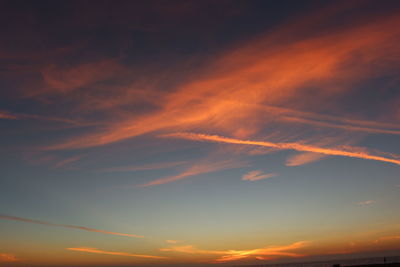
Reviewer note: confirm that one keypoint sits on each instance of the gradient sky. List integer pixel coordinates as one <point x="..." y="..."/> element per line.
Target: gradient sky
<point x="155" y="133"/>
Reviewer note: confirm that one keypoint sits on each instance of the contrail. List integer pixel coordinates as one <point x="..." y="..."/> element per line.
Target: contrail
<point x="292" y="146"/>
<point x="13" y="218"/>
<point x="98" y="251"/>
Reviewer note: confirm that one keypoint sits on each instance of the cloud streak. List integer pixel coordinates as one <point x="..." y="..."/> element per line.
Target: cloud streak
<point x="343" y="126"/>
<point x="365" y="203"/>
<point x="228" y="94"/>
<point x="197" y="169"/>
<point x="7" y="257"/>
<point x="14" y="218"/>
<point x="303" y="158"/>
<point x="284" y="146"/>
<point x="170" y="241"/>
<point x="98" y="251"/>
<point x="322" y="120"/>
<point x="22" y="116"/>
<point x="67" y="161"/>
<point x="257" y="175"/>
<point x="233" y="255"/>
<point x="8" y="116"/>
<point x="153" y="166"/>
<point x="385" y="238"/>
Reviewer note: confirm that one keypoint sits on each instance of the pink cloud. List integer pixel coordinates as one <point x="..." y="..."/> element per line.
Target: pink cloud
<point x="197" y="169"/>
<point x="257" y="175"/>
<point x="303" y="158"/>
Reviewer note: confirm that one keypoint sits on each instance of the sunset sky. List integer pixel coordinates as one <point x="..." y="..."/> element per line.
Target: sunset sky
<point x="196" y="133"/>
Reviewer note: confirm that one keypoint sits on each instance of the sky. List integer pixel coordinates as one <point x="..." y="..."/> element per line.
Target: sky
<point x="198" y="133"/>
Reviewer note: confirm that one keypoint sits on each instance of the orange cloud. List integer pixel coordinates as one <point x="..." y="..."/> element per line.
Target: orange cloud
<point x="196" y="169"/>
<point x="13" y="218"/>
<point x="6" y="257"/>
<point x="8" y="116"/>
<point x="232" y="255"/>
<point x="303" y="158"/>
<point x="275" y="69"/>
<point x="70" y="78"/>
<point x="349" y="152"/>
<point x="344" y="127"/>
<point x="289" y="115"/>
<point x="384" y="238"/>
<point x="277" y="251"/>
<point x="98" y="251"/>
<point x="257" y="175"/>
<point x="191" y="250"/>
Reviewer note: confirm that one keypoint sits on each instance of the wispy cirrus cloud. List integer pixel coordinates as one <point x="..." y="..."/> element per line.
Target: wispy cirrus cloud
<point x="7" y="257"/>
<point x="170" y="241"/>
<point x="347" y="127"/>
<point x="365" y="203"/>
<point x="197" y="169"/>
<point x="280" y="75"/>
<point x="14" y="218"/>
<point x="386" y="238"/>
<point x="257" y="175"/>
<point x="25" y="116"/>
<point x="233" y="96"/>
<point x="233" y="255"/>
<point x="152" y="166"/>
<point x="7" y="115"/>
<point x="65" y="79"/>
<point x="303" y="158"/>
<point x="348" y="152"/>
<point x="190" y="249"/>
<point x="68" y="161"/>
<point x="98" y="251"/>
<point x="290" y="115"/>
